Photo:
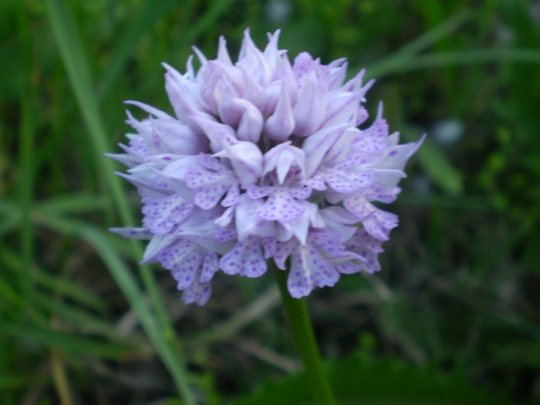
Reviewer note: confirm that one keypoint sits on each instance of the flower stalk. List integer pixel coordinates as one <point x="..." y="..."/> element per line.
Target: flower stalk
<point x="304" y="338"/>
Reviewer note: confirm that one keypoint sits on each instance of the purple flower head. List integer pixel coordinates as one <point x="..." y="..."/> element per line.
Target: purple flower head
<point x="263" y="159"/>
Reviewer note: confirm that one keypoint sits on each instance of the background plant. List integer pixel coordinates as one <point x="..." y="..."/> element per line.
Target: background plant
<point x="457" y="297"/>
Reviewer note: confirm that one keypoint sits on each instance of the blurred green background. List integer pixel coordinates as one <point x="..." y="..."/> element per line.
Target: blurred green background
<point x="452" y="318"/>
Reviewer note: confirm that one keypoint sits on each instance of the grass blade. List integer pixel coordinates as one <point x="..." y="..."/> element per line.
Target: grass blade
<point x="439" y="169"/>
<point x="207" y="20"/>
<point x="169" y="352"/>
<point x="164" y="345"/>
<point x="67" y="342"/>
<point x="145" y="18"/>
<point x="78" y="71"/>
<point x="54" y="283"/>
<point x="73" y="204"/>
<point x="419" y="44"/>
<point x="469" y="57"/>
<point x="26" y="154"/>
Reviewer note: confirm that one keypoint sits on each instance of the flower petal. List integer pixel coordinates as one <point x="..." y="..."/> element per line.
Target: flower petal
<point x="245" y="259"/>
<point x="309" y="270"/>
<point x="246" y="160"/>
<point x="251" y="121"/>
<point x="280" y="125"/>
<point x="310" y="106"/>
<point x="280" y="206"/>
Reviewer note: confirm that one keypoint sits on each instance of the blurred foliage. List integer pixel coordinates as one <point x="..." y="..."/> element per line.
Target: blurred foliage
<point x="362" y="378"/>
<point x="457" y="300"/>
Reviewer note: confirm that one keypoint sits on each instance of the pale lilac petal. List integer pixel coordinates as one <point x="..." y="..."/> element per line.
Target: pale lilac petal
<point x="245" y="259"/>
<point x="248" y="221"/>
<point x="349" y="268"/>
<point x="339" y="221"/>
<point x="328" y="243"/>
<point x="280" y="206"/>
<point x="209" y="268"/>
<point x="229" y="113"/>
<point x="395" y="157"/>
<point x="149" y="109"/>
<point x="223" y="54"/>
<point x="269" y="246"/>
<point x="375" y="138"/>
<point x="156" y="245"/>
<point x="338" y="72"/>
<point x="282" y="158"/>
<point x="246" y="160"/>
<point x="309" y="270"/>
<point x="316" y="183"/>
<point x="310" y="106"/>
<point x="251" y="121"/>
<point x="218" y="134"/>
<point x="208" y="197"/>
<point x="280" y="125"/>
<point x="161" y="215"/>
<point x="301" y="224"/>
<point x="232" y="197"/>
<point x="183" y="94"/>
<point x="347" y="182"/>
<point x="198" y="293"/>
<point x="343" y="107"/>
<point x="171" y="136"/>
<point x="301" y="193"/>
<point x="317" y="145"/>
<point x="380" y="223"/>
<point x="283" y="252"/>
<point x="341" y="148"/>
<point x="185" y="269"/>
<point x="358" y="206"/>
<point x="253" y="91"/>
<point x="303" y="64"/>
<point x="255" y="192"/>
<point x="225" y="234"/>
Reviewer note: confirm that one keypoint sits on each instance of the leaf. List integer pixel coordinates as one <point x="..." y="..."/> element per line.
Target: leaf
<point x="439" y="169"/>
<point x="139" y="25"/>
<point x="361" y="378"/>
<point x="56" y="283"/>
<point x="68" y="342"/>
<point x="72" y="53"/>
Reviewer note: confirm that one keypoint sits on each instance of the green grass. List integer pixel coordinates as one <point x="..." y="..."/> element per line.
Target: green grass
<point x="458" y="288"/>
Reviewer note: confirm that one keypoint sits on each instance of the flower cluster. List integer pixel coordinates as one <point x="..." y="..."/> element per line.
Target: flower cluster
<point x="263" y="159"/>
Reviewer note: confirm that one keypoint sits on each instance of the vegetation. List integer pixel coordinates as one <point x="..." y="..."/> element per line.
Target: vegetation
<point x="453" y="316"/>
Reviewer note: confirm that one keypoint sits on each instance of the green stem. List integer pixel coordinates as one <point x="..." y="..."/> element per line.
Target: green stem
<point x="298" y="316"/>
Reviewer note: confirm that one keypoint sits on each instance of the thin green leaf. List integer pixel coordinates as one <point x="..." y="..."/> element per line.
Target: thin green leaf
<point x="73" y="204"/>
<point x="18" y="381"/>
<point x="216" y="9"/>
<point x="140" y="24"/>
<point x="439" y="169"/>
<point x="59" y="284"/>
<point x="472" y="57"/>
<point x="168" y="350"/>
<point x="423" y="42"/>
<point x="67" y="342"/>
<point x="80" y="320"/>
<point x="26" y="154"/>
<point x="74" y="59"/>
